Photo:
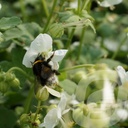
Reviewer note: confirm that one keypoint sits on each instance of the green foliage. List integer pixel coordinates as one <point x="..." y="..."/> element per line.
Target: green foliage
<point x="6" y="23"/>
<point x="96" y="39"/>
<point x="7" y="116"/>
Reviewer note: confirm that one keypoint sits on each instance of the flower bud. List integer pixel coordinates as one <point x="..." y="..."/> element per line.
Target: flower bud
<point x="33" y="116"/>
<point x="78" y="116"/>
<point x="9" y="76"/>
<point x="24" y="119"/>
<point x="85" y="109"/>
<point x="4" y="87"/>
<point x="15" y="84"/>
<point x="2" y="76"/>
<point x="56" y="30"/>
<point x="99" y="118"/>
<point x="78" y="76"/>
<point x="42" y="94"/>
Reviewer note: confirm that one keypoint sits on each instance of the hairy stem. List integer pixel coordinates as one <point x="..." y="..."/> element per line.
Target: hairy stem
<point x="37" y="110"/>
<point x="70" y="38"/>
<point x="81" y="42"/>
<point x="45" y="8"/>
<point x="50" y="16"/>
<point x="75" y="67"/>
<point x="29" y="99"/>
<point x="23" y="72"/>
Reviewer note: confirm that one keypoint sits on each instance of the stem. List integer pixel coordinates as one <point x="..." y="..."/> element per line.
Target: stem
<point x="50" y="16"/>
<point x="70" y="38"/>
<point x="23" y="9"/>
<point x="45" y="8"/>
<point x="79" y="6"/>
<point x="20" y="70"/>
<point x="61" y="4"/>
<point x="118" y="49"/>
<point x="28" y="100"/>
<point x="59" y="10"/>
<point x="75" y="67"/>
<point x="85" y="3"/>
<point x="81" y="42"/>
<point x="37" y="110"/>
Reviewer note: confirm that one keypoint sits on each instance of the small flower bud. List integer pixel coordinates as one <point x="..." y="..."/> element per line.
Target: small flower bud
<point x="24" y="119"/>
<point x="4" y="86"/>
<point x="78" y="76"/>
<point x="42" y="94"/>
<point x="2" y="76"/>
<point x="85" y="109"/>
<point x="56" y="30"/>
<point x="78" y="115"/>
<point x="9" y="76"/>
<point x="99" y="118"/>
<point x="15" y="84"/>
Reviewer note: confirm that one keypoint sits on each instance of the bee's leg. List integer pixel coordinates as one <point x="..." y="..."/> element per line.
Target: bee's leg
<point x="56" y="72"/>
<point x="49" y="59"/>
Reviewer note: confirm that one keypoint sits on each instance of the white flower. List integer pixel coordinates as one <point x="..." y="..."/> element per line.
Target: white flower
<point x="108" y="95"/>
<point x="123" y="75"/>
<point x="108" y="3"/>
<point x="74" y="4"/>
<point x="122" y="114"/>
<point x="55" y="115"/>
<point x="43" y="45"/>
<point x="0" y="6"/>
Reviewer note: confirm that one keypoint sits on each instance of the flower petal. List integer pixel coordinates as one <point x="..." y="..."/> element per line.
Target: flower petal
<point x="42" y="43"/>
<point x="59" y="55"/>
<point x="0" y="6"/>
<point x="54" y="65"/>
<point x="62" y="103"/>
<point x="122" y="74"/>
<point x="29" y="58"/>
<point x="53" y="92"/>
<point x="51" y="119"/>
<point x="122" y="114"/>
<point x="108" y="3"/>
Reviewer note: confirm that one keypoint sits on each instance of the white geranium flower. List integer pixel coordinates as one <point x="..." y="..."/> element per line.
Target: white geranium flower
<point x="55" y="115"/>
<point x="108" y="3"/>
<point x="43" y="45"/>
<point x="108" y="95"/>
<point x="122" y="74"/>
<point x="122" y="114"/>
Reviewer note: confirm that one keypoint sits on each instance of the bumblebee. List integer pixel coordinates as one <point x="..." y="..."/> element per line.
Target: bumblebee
<point x="43" y="71"/>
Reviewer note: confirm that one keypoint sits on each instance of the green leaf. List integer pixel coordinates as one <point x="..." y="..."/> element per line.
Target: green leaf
<point x="4" y="45"/>
<point x="65" y="15"/>
<point x="30" y="29"/>
<point x="68" y="86"/>
<point x="15" y="98"/>
<point x="9" y="22"/>
<point x="13" y="33"/>
<point x="7" y="118"/>
<point x="82" y="89"/>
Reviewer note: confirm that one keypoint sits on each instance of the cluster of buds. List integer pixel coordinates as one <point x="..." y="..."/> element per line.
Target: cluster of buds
<point x="28" y="120"/>
<point x="8" y="80"/>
